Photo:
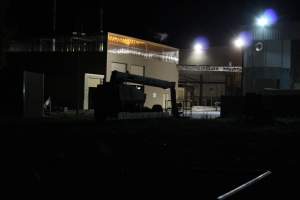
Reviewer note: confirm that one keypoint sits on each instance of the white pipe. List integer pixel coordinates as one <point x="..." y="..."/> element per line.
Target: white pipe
<point x="244" y="186"/>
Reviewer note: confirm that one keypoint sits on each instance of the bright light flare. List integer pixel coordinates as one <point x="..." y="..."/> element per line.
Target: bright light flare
<point x="268" y="18"/>
<point x="201" y="44"/>
<point x="262" y="21"/>
<point x="198" y="48"/>
<point x="243" y="40"/>
<point x="239" y="42"/>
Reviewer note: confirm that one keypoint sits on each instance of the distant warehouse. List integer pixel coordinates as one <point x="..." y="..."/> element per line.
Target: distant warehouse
<point x="210" y="74"/>
<point x="71" y="66"/>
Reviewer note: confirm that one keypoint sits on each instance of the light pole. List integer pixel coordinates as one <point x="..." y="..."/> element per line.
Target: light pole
<point x="54" y="27"/>
<point x="268" y="18"/>
<point x="198" y="51"/>
<point x="240" y="43"/>
<point x="78" y="38"/>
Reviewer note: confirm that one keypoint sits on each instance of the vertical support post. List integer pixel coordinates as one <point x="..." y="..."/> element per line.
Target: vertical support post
<point x="78" y="82"/>
<point x="174" y="105"/>
<point x="54" y="27"/>
<point x="101" y="45"/>
<point x="211" y="99"/>
<point x="243" y="71"/>
<point x="200" y="89"/>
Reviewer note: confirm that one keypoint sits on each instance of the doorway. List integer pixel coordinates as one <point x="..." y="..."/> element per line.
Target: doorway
<point x="166" y="104"/>
<point x="90" y="81"/>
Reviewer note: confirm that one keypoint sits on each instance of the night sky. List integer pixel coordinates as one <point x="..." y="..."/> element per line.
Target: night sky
<point x="182" y="22"/>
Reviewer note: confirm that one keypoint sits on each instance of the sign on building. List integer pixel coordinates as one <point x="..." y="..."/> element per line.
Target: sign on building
<point x="232" y="69"/>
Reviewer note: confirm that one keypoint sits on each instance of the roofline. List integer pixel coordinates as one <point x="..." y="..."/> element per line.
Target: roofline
<point x="153" y="43"/>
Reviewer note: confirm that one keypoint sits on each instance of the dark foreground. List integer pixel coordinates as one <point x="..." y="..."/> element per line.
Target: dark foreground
<point x="157" y="159"/>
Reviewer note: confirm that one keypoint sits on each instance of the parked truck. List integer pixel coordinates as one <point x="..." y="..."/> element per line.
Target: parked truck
<point x="118" y="96"/>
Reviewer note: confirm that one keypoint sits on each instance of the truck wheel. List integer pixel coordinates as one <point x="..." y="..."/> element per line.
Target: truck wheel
<point x="157" y="108"/>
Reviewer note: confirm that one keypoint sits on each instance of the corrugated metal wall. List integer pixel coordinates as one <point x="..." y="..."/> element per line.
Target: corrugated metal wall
<point x="275" y="53"/>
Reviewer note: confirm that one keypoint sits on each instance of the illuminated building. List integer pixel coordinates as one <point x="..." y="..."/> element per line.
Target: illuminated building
<point x="79" y="63"/>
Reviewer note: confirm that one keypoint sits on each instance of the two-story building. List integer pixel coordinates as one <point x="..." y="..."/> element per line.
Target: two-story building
<point x="72" y="65"/>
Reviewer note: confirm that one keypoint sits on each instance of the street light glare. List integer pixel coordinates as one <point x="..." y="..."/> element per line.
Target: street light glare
<point x="242" y="40"/>
<point x="198" y="48"/>
<point x="262" y="21"/>
<point x="200" y="45"/>
<point x="268" y="18"/>
<point x="239" y="42"/>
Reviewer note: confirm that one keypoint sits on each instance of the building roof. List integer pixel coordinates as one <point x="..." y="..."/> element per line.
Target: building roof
<point x="131" y="41"/>
<point x="126" y="45"/>
<point x="284" y="30"/>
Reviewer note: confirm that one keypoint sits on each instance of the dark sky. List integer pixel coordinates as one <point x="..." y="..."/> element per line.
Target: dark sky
<point x="183" y="22"/>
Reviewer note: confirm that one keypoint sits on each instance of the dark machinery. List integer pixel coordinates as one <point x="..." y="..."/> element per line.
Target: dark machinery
<point x="116" y="96"/>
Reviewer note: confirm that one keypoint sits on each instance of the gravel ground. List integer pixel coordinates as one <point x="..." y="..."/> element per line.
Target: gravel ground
<point x="163" y="158"/>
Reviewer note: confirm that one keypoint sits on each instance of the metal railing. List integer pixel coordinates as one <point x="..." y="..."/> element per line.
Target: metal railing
<point x="71" y="44"/>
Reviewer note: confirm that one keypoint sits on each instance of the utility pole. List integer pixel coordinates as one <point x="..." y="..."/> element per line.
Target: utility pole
<point x="80" y="37"/>
<point x="101" y="20"/>
<point x="78" y="78"/>
<point x="54" y="27"/>
<point x="101" y="47"/>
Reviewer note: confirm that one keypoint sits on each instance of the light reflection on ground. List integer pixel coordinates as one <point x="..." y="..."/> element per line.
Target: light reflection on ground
<point x="203" y="112"/>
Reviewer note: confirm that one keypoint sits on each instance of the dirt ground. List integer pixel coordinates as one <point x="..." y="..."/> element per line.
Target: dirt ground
<point x="161" y="159"/>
